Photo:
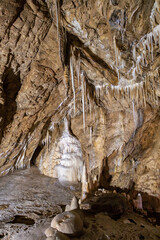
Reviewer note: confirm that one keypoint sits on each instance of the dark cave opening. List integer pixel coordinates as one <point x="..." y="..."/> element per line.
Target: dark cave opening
<point x="11" y="87"/>
<point x="23" y="220"/>
<point x="35" y="155"/>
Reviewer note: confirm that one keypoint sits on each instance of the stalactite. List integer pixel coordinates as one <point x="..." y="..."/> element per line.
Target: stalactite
<point x="78" y="65"/>
<point x="58" y="18"/>
<point x="72" y="77"/>
<point x="138" y="66"/>
<point x="98" y="93"/>
<point x="85" y="95"/>
<point x="134" y="52"/>
<point x="90" y="108"/>
<point x="147" y="43"/>
<point x="134" y="73"/>
<point x="144" y="95"/>
<point x="134" y="114"/>
<point x="20" y="160"/>
<point x="90" y="134"/>
<point x="122" y="24"/>
<point x="66" y="79"/>
<point x="117" y="56"/>
<point x="83" y="98"/>
<point x="50" y="162"/>
<point x="135" y="91"/>
<point x="119" y="61"/>
<point x="153" y="13"/>
<point x="116" y="51"/>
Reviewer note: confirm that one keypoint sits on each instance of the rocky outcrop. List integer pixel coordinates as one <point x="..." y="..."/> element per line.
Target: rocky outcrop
<point x="95" y="64"/>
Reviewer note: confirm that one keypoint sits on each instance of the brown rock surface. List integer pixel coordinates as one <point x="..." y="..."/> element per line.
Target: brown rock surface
<point x="96" y="64"/>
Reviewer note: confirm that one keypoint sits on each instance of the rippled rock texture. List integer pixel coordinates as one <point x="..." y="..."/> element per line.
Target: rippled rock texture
<point x="92" y="66"/>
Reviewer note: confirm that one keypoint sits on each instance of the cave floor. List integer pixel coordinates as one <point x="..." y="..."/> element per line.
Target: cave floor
<point x="29" y="201"/>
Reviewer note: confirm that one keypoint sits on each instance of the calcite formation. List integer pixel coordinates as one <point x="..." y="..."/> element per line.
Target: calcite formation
<point x="80" y="91"/>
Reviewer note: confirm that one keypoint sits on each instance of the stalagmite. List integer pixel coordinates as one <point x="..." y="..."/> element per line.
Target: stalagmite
<point x="84" y="183"/>
<point x="139" y="202"/>
<point x="65" y="159"/>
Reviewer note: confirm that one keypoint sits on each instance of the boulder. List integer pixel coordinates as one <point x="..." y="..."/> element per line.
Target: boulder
<point x="113" y="204"/>
<point x="58" y="236"/>
<point x="68" y="222"/>
<point x="67" y="208"/>
<point x="74" y="203"/>
<point x="49" y="232"/>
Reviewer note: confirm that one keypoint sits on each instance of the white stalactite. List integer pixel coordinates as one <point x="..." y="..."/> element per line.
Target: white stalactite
<point x="47" y="140"/>
<point x="58" y="25"/>
<point x="90" y="134"/>
<point x="83" y="98"/>
<point x="134" y="52"/>
<point x="78" y="68"/>
<point x="72" y="79"/>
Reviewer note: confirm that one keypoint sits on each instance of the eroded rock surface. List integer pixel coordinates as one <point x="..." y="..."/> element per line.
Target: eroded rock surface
<point x="96" y="64"/>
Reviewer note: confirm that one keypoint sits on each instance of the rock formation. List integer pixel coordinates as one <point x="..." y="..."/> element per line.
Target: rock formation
<point x="80" y="86"/>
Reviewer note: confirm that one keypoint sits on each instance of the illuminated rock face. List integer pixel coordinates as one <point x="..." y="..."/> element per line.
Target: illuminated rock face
<point x="95" y="63"/>
<point x="63" y="159"/>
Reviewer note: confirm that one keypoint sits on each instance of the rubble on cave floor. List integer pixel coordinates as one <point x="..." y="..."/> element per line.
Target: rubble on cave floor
<point x="29" y="201"/>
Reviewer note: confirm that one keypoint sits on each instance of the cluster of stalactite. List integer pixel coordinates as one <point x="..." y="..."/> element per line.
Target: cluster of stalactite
<point x="138" y="90"/>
